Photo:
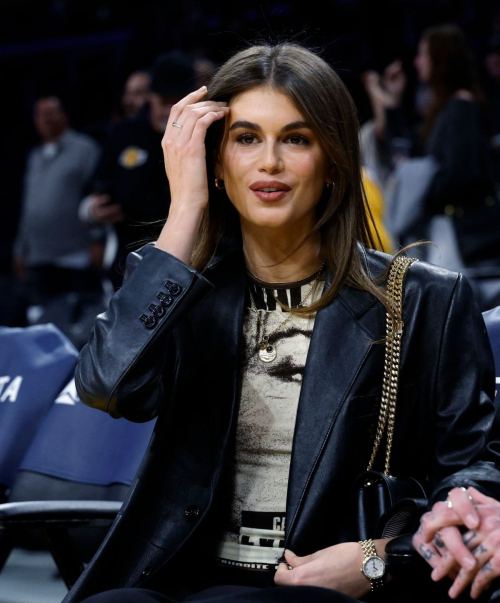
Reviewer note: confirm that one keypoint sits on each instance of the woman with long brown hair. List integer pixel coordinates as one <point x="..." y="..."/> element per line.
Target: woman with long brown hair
<point x="454" y="133"/>
<point x="251" y="330"/>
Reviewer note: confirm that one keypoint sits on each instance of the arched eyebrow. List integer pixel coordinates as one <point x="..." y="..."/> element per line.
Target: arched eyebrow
<point x="248" y="125"/>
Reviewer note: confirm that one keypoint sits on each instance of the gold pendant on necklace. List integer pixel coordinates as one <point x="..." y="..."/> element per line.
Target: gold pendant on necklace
<point x="267" y="352"/>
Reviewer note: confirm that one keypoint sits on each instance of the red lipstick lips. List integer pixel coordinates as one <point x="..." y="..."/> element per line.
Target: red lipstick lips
<point x="261" y="189"/>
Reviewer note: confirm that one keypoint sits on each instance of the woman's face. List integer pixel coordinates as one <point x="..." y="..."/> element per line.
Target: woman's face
<point x="422" y="61"/>
<point x="269" y="145"/>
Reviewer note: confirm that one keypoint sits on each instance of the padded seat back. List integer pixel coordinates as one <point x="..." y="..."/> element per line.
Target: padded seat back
<point x="35" y="363"/>
<point x="86" y="446"/>
<point x="80" y="453"/>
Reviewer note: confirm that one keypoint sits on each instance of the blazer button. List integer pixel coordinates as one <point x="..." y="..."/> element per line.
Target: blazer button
<point x="147" y="571"/>
<point x="165" y="299"/>
<point x="149" y="321"/>
<point x="156" y="311"/>
<point x="173" y="288"/>
<point x="192" y="513"/>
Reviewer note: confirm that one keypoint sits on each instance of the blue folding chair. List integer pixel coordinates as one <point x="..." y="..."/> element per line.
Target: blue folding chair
<point x="35" y="363"/>
<point x="75" y="475"/>
<point x="84" y="446"/>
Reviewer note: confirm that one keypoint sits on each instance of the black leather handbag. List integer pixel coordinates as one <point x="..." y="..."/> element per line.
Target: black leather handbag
<point x="385" y="505"/>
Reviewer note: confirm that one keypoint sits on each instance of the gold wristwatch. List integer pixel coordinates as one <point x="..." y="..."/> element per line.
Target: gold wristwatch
<point x="373" y="566"/>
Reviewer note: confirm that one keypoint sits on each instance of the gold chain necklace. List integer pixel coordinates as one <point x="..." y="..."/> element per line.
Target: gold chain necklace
<point x="267" y="351"/>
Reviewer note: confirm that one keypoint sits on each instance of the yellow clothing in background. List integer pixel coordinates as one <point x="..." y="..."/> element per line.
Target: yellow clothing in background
<point x="376" y="203"/>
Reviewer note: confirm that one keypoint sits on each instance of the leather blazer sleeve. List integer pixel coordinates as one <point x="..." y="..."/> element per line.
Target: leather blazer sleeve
<point x="467" y="442"/>
<point x="467" y="426"/>
<point x="121" y="368"/>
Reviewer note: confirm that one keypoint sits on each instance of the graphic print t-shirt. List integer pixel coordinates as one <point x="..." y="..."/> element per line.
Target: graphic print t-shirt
<point x="254" y="532"/>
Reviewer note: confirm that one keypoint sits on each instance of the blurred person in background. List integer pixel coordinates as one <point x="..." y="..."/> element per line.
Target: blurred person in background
<point x="53" y="251"/>
<point x="130" y="190"/>
<point x="204" y="69"/>
<point x="453" y="133"/>
<point x="376" y="203"/>
<point x="136" y="93"/>
<point x="492" y="64"/>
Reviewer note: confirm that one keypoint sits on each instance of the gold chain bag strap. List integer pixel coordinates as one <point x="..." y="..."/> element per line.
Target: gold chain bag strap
<point x="377" y="493"/>
<point x="394" y="334"/>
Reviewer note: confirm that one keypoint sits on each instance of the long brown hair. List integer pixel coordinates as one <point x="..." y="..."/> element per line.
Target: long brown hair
<point x="452" y="68"/>
<point x="343" y="215"/>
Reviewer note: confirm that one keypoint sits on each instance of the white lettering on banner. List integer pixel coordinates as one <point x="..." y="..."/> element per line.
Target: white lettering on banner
<point x="12" y="389"/>
<point x="277" y="523"/>
<point x="259" y="566"/>
<point x="68" y="395"/>
<point x="3" y="381"/>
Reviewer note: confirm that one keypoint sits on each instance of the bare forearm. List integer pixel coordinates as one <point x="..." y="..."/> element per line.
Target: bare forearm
<point x="178" y="236"/>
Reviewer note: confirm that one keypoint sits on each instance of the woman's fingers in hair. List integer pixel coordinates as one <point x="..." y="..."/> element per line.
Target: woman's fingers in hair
<point x="192" y="97"/>
<point x="192" y="117"/>
<point x="201" y="126"/>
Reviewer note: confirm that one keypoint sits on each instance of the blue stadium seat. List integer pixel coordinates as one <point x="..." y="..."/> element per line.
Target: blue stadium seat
<point x="35" y="363"/>
<point x="72" y="482"/>
<point x="79" y="444"/>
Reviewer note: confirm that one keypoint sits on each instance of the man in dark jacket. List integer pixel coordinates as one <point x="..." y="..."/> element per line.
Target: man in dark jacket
<point x="130" y="189"/>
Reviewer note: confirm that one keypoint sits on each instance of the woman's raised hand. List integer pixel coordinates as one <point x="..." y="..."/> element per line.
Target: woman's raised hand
<point x="385" y="90"/>
<point x="184" y="149"/>
<point x="394" y="82"/>
<point x="184" y="154"/>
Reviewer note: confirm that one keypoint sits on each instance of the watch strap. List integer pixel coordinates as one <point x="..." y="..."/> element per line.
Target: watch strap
<point x="368" y="547"/>
<point x="369" y="550"/>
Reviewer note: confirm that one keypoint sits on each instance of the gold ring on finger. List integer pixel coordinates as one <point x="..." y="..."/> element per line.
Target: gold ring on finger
<point x="176" y="125"/>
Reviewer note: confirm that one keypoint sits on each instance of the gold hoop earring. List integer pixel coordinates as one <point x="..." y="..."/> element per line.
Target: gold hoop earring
<point x="218" y="182"/>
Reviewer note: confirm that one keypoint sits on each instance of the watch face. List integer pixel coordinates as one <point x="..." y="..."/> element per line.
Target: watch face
<point x="374" y="567"/>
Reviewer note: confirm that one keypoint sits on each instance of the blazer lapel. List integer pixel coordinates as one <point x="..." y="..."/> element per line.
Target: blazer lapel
<point x="220" y="319"/>
<point x="339" y="346"/>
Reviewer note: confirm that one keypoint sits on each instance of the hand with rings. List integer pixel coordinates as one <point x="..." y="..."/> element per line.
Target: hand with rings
<point x="183" y="147"/>
<point x="467" y="558"/>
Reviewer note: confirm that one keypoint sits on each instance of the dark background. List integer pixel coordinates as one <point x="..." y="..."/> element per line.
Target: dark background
<point x="83" y="50"/>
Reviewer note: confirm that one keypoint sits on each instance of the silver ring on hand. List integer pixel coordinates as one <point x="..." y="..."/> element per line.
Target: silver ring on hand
<point x="450" y="504"/>
<point x="176" y="125"/>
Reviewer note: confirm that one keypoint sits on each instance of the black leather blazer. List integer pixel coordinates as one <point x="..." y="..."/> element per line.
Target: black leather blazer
<point x="168" y="347"/>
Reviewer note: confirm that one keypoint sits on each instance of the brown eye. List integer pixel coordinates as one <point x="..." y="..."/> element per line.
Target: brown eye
<point x="296" y="139"/>
<point x="246" y="139"/>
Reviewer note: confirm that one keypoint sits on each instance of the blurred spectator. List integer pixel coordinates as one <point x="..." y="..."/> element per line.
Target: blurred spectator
<point x="453" y="135"/>
<point x="53" y="249"/>
<point x="375" y="200"/>
<point x="130" y="187"/>
<point x="204" y="69"/>
<point x="492" y="64"/>
<point x="136" y="93"/>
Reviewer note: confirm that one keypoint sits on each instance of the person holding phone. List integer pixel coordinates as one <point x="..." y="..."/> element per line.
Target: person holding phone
<point x="250" y="330"/>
